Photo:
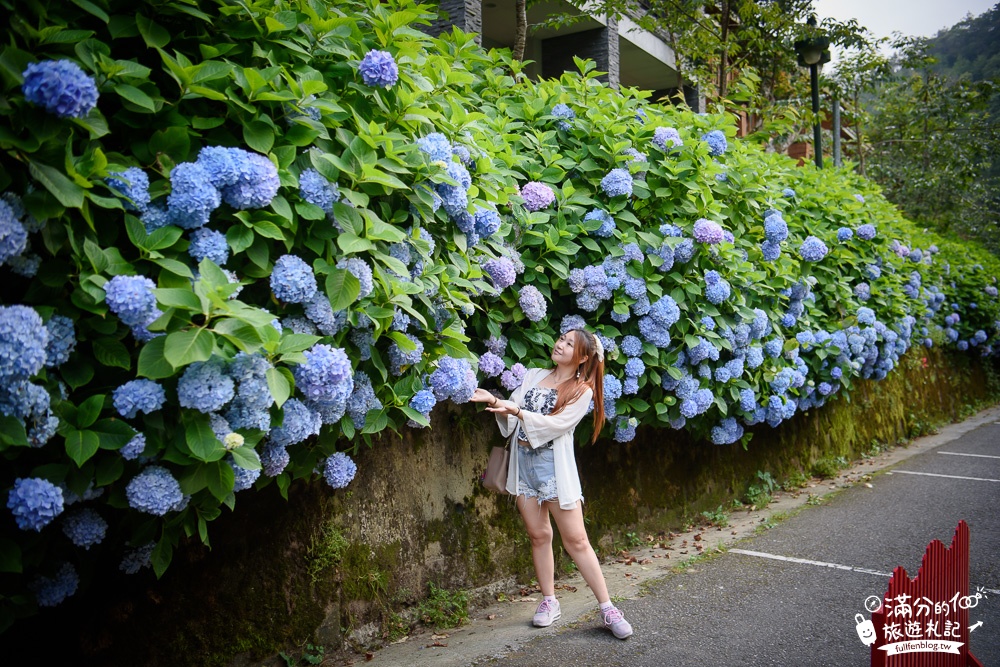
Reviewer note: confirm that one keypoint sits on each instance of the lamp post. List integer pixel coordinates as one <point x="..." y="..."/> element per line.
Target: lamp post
<point x="814" y="53"/>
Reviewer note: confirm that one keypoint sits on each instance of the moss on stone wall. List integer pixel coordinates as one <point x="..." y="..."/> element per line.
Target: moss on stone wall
<point x="334" y="567"/>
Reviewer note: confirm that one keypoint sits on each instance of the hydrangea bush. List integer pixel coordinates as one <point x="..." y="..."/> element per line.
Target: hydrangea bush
<point x="392" y="212"/>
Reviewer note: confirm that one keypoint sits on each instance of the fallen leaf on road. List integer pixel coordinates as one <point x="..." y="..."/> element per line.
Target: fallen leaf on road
<point x="437" y="644"/>
<point x="439" y="636"/>
<point x="566" y="587"/>
<point x="491" y="617"/>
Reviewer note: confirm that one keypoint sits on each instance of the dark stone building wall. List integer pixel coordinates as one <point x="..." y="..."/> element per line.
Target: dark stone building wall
<point x="466" y="14"/>
<point x="599" y="45"/>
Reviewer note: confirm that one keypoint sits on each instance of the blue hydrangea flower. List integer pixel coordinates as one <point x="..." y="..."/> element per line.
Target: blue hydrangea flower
<point x="532" y="303"/>
<point x="537" y="196"/>
<point x="423" y="401"/>
<point x="378" y="68"/>
<point x="845" y="234"/>
<point x="360" y="269"/>
<point x="256" y="181"/>
<point x="487" y="221"/>
<point x="512" y="379"/>
<point x="134" y="448"/>
<point x="243" y="478"/>
<point x="772" y="348"/>
<point x="655" y="327"/>
<point x="400" y="359"/>
<point x="34" y="502"/>
<point x="133" y="186"/>
<point x="631" y="346"/>
<point x="61" y="87"/>
<point x="667" y="138"/>
<point x="634" y="367"/>
<point x="771" y="250"/>
<point x="62" y="340"/>
<point x="716" y="140"/>
<point x="812" y="249"/>
<point x="775" y="227"/>
<point x="490" y="365"/>
<point x="666" y="255"/>
<point x="362" y="400"/>
<point x="205" y="387"/>
<point x="155" y="217"/>
<point x="154" y="491"/>
<point x="860" y="198"/>
<point x="866" y="316"/>
<point x="862" y="291"/>
<point x="454" y="379"/>
<point x="625" y="429"/>
<point x="727" y="432"/>
<point x="607" y="228"/>
<point x="274" y="459"/>
<point x="292" y="280"/>
<point x="684" y="251"/>
<point x="23" y="342"/>
<point x="13" y="235"/>
<point x="138" y="396"/>
<point x="563" y="111"/>
<point x="51" y="591"/>
<point x="316" y="190"/>
<point x="326" y="376"/>
<point x="339" y="469"/>
<point x="436" y="146"/>
<point x="866" y="232"/>
<point x="788" y="193"/>
<point x="707" y="231"/>
<point x="299" y="423"/>
<point x="131" y="298"/>
<point x="84" y="528"/>
<point x="617" y="182"/>
<point x="501" y="271"/>
<point x="320" y="312"/>
<point x="192" y="197"/>
<point x="717" y="289"/>
<point x="209" y="244"/>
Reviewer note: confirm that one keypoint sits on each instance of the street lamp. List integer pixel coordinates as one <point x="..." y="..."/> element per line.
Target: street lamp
<point x="814" y="53"/>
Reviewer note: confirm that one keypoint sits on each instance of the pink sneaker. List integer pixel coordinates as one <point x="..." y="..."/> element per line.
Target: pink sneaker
<point x="615" y="621"/>
<point x="546" y="614"/>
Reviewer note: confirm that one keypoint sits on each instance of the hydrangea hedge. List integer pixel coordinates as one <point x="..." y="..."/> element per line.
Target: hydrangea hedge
<point x="239" y="239"/>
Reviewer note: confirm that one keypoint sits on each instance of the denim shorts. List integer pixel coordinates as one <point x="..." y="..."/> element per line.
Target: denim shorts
<point x="536" y="473"/>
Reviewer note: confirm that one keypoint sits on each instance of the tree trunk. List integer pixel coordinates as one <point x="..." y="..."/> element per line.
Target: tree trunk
<point x="724" y="56"/>
<point x="521" y="31"/>
<point x="859" y="137"/>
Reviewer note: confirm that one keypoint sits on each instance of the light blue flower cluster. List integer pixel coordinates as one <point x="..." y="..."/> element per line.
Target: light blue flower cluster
<point x="400" y="359"/>
<point x="592" y="285"/>
<point x="34" y="502"/>
<point x="362" y="400"/>
<point x="339" y="469"/>
<point x="512" y="379"/>
<point x="316" y="190"/>
<point x="607" y="228"/>
<point x="326" y="379"/>
<point x="617" y="183"/>
<point x="436" y="146"/>
<point x="727" y="432"/>
<point x="299" y="423"/>
<point x="667" y="139"/>
<point x="274" y="458"/>
<point x="134" y="448"/>
<point x="532" y="303"/>
<point x="209" y="244"/>
<point x="137" y="559"/>
<point x="379" y="69"/>
<point x="138" y="396"/>
<point x="133" y="186"/>
<point x="631" y="346"/>
<point x="154" y="491"/>
<point x="613" y="390"/>
<point x="51" y="591"/>
<point x="862" y="291"/>
<point x="845" y="234"/>
<point x="61" y="87"/>
<point x="655" y="326"/>
<point x="716" y="140"/>
<point x="537" y="196"/>
<point x="292" y="280"/>
<point x="423" y="402"/>
<point x="487" y="222"/>
<point x="491" y="365"/>
<point x="813" y="249"/>
<point x="453" y="379"/>
<point x="563" y="111"/>
<point x="84" y="528"/>
<point x="866" y="232"/>
<point x="501" y="271"/>
<point x="61" y="340"/>
<point x="13" y="235"/>
<point x="360" y="269"/>
<point x="319" y="311"/>
<point x="205" y="387"/>
<point x="192" y="197"/>
<point x="625" y="429"/>
<point x="707" y="231"/>
<point x="717" y="289"/>
<point x="131" y="299"/>
<point x="249" y="407"/>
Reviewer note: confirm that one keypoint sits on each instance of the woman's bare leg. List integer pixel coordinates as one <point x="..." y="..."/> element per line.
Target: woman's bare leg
<point x="577" y="544"/>
<point x="536" y="520"/>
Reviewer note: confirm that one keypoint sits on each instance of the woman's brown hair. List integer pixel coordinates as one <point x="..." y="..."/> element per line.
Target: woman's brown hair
<point x="590" y="373"/>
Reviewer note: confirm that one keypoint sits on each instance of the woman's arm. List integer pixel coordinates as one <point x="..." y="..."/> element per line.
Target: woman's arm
<point x="541" y="429"/>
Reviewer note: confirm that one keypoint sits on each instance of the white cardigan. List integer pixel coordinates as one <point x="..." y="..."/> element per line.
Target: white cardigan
<point x="540" y="429"/>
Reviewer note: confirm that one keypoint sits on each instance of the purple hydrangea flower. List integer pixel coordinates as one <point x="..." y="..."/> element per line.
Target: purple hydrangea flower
<point x="378" y="68"/>
<point x="532" y="303"/>
<point x="454" y="379"/>
<point x="154" y="491"/>
<point x="61" y="87"/>
<point x="707" y="231"/>
<point x="537" y="196"/>
<point x="274" y="458"/>
<point x="339" y="469"/>
<point x="617" y="182"/>
<point x="501" y="271"/>
<point x="491" y="365"/>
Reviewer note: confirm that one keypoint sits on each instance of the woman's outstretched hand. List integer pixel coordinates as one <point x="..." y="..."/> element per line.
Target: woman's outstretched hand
<point x="493" y="404"/>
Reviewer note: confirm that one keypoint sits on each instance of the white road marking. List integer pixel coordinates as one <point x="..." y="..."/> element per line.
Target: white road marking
<point x="934" y="474"/>
<point x="834" y="566"/>
<point x="979" y="456"/>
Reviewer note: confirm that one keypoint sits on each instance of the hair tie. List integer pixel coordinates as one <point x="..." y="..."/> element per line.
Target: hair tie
<point x="599" y="348"/>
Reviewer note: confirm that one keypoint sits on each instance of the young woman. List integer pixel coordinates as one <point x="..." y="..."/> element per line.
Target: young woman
<point x="540" y="418"/>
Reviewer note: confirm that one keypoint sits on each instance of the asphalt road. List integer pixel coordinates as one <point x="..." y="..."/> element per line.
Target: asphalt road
<point x="755" y="609"/>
